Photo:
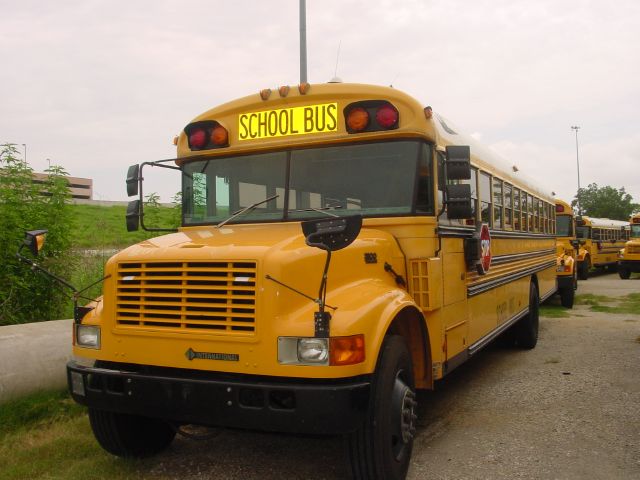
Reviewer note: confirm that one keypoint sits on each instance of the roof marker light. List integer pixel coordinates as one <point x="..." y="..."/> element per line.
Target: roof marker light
<point x="265" y="93"/>
<point x="303" y="88"/>
<point x="283" y="90"/>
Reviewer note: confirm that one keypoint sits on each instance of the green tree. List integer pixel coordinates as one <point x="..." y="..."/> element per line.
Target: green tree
<point x="25" y="295"/>
<point x="605" y="202"/>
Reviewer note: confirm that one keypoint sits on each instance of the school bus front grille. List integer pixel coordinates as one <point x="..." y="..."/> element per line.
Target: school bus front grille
<point x="633" y="249"/>
<point x="197" y="297"/>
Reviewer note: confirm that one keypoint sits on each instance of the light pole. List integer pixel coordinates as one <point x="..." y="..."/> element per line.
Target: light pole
<point x="25" y="153"/>
<point x="576" y="128"/>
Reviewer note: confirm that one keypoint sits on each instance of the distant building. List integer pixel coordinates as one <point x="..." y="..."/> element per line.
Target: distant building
<point x="80" y="188"/>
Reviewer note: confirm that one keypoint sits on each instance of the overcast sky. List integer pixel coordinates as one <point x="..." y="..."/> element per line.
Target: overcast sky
<point x="95" y="85"/>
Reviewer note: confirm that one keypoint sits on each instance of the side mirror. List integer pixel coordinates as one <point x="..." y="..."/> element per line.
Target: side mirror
<point x="458" y="162"/>
<point x="332" y="234"/>
<point x="133" y="216"/>
<point x="458" y="201"/>
<point x="133" y="179"/>
<point x="34" y="240"/>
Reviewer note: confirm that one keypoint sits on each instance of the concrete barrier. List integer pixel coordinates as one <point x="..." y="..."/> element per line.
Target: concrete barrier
<point x="33" y="357"/>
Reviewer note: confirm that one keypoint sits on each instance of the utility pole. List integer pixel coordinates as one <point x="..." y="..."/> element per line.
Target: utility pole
<point x="25" y="153"/>
<point x="303" y="41"/>
<point x="576" y="128"/>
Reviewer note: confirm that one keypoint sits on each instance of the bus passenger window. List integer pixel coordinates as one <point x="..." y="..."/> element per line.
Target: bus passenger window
<point x="485" y="198"/>
<point x="517" y="223"/>
<point x="508" y="207"/>
<point x="497" y="203"/>
<point x="530" y="207"/>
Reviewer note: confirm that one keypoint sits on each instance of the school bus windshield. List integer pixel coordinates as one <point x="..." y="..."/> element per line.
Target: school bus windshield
<point x="372" y="179"/>
<point x="564" y="226"/>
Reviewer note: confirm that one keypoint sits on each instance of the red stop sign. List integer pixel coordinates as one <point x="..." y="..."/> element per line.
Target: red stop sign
<point x="485" y="248"/>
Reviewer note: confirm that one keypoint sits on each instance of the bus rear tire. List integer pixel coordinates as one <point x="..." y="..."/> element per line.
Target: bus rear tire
<point x="381" y="448"/>
<point x="131" y="436"/>
<point x="526" y="330"/>
<point x="624" y="273"/>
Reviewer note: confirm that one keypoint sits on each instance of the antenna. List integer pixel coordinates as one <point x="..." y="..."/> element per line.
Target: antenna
<point x="335" y="72"/>
<point x="303" y="41"/>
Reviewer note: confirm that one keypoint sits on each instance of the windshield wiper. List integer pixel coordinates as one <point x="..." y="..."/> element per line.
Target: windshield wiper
<point x="245" y="210"/>
<point x="320" y="210"/>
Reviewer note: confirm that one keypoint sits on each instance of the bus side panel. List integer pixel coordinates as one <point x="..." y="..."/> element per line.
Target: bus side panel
<point x="547" y="282"/>
<point x="482" y="316"/>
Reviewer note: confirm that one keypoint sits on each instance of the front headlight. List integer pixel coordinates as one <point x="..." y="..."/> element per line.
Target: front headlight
<point x="303" y="351"/>
<point x="313" y="350"/>
<point x="88" y="336"/>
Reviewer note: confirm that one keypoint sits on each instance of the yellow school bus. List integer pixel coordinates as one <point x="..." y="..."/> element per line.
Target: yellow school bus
<point x="601" y="240"/>
<point x="629" y="256"/>
<point x="566" y="249"/>
<point x="341" y="246"/>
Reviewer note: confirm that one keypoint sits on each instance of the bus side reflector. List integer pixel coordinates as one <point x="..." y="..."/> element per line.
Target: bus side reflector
<point x="346" y="350"/>
<point x="358" y="119"/>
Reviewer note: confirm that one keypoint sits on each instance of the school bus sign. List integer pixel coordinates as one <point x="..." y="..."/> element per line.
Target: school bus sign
<point x="284" y="122"/>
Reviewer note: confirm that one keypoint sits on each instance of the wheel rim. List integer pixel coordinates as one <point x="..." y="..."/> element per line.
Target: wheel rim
<point x="403" y="427"/>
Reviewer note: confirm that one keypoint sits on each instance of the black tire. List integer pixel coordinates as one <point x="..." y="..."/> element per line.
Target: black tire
<point x="526" y="330"/>
<point x="567" y="295"/>
<point x="583" y="269"/>
<point x="130" y="435"/>
<point x="381" y="448"/>
<point x="624" y="273"/>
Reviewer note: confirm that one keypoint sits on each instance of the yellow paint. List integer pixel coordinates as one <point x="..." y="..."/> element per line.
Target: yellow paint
<point x="146" y="313"/>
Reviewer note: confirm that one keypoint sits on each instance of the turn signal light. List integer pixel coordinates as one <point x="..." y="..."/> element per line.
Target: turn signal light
<point x="206" y="134"/>
<point x="371" y="116"/>
<point x="198" y="138"/>
<point x="219" y="136"/>
<point x="346" y="350"/>
<point x="358" y="119"/>
<point x="387" y="116"/>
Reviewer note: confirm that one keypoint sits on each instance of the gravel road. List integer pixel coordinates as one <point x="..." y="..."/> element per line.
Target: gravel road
<point x="569" y="409"/>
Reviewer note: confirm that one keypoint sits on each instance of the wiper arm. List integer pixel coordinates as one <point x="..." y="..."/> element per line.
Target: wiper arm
<point x="246" y="209"/>
<point x="320" y="210"/>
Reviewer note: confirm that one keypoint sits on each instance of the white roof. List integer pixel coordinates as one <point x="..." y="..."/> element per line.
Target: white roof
<point x="607" y="222"/>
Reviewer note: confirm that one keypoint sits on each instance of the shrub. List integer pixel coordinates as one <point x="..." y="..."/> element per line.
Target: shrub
<point x="28" y="296"/>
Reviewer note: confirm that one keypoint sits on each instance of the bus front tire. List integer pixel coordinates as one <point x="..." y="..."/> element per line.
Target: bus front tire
<point x="526" y="330"/>
<point x="381" y="448"/>
<point x="567" y="295"/>
<point x="131" y="436"/>
<point x="624" y="273"/>
<point x="583" y="269"/>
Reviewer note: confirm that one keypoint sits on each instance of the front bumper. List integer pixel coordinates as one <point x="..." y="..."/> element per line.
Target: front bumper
<point x="565" y="282"/>
<point x="214" y="399"/>
<point x="631" y="265"/>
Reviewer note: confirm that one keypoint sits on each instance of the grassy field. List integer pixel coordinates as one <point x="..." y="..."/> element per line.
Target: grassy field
<point x="101" y="227"/>
<point x="47" y="436"/>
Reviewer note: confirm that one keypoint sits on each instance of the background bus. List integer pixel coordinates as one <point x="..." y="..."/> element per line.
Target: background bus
<point x="629" y="256"/>
<point x="566" y="244"/>
<point x="427" y="251"/>
<point x="601" y="239"/>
